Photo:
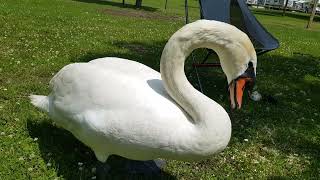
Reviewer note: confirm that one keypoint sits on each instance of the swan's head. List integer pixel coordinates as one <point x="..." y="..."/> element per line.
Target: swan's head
<point x="235" y="50"/>
<point x="239" y="62"/>
<point x="245" y="81"/>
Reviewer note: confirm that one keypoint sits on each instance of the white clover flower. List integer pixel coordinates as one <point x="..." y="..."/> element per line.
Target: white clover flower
<point x="31" y="156"/>
<point x="246" y="140"/>
<point x="35" y="139"/>
<point x="255" y="96"/>
<point x="80" y="163"/>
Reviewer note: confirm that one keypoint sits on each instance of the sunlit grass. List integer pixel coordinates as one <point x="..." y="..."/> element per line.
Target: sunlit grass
<point x="38" y="37"/>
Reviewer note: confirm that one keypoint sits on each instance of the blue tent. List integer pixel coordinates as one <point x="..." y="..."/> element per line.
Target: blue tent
<point x="237" y="13"/>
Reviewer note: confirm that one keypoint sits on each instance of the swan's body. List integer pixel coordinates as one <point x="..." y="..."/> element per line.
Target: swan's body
<point x="118" y="106"/>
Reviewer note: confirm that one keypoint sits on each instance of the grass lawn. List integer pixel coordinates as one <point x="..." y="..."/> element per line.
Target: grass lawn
<point x="38" y="37"/>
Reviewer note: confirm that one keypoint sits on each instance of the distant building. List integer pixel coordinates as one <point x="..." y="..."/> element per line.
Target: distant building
<point x="297" y="5"/>
<point x="279" y="3"/>
<point x="252" y="2"/>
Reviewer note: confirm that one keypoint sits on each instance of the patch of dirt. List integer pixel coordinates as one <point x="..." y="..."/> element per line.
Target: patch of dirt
<point x="137" y="48"/>
<point x="139" y="14"/>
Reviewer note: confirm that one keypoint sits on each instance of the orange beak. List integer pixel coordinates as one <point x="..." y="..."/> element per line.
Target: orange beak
<point x="236" y="89"/>
<point x="237" y="86"/>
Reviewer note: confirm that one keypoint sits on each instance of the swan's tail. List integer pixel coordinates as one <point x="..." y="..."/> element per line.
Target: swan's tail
<point x="41" y="102"/>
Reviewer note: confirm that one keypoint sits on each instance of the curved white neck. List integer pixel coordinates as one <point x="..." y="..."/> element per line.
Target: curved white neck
<point x="212" y="124"/>
<point x="181" y="44"/>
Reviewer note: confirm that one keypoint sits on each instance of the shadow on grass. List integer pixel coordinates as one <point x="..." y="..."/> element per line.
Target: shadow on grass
<point x="289" y="14"/>
<point x="148" y="54"/>
<point x="117" y="4"/>
<point x="65" y="152"/>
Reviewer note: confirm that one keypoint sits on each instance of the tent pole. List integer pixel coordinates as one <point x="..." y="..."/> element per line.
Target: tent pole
<point x="186" y="11"/>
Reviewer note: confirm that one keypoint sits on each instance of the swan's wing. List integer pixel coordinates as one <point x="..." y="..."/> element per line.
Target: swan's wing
<point x="129" y="67"/>
<point x="85" y="86"/>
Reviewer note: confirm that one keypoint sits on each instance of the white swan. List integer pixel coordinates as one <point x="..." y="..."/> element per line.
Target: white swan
<point x="122" y="107"/>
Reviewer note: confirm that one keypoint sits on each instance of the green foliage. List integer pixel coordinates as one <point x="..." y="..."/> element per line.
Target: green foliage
<point x="271" y="139"/>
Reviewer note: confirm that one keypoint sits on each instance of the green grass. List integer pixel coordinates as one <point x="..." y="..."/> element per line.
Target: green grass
<point x="39" y="37"/>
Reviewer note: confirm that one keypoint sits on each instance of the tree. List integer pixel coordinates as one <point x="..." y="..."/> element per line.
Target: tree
<point x="315" y="4"/>
<point x="285" y="8"/>
<point x="138" y="3"/>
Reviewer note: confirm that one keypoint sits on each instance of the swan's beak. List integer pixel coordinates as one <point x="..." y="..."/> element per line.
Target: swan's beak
<point x="237" y="87"/>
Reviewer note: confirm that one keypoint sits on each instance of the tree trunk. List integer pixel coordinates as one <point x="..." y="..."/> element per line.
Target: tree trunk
<point x="285" y="8"/>
<point x="315" y="3"/>
<point x="138" y="3"/>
